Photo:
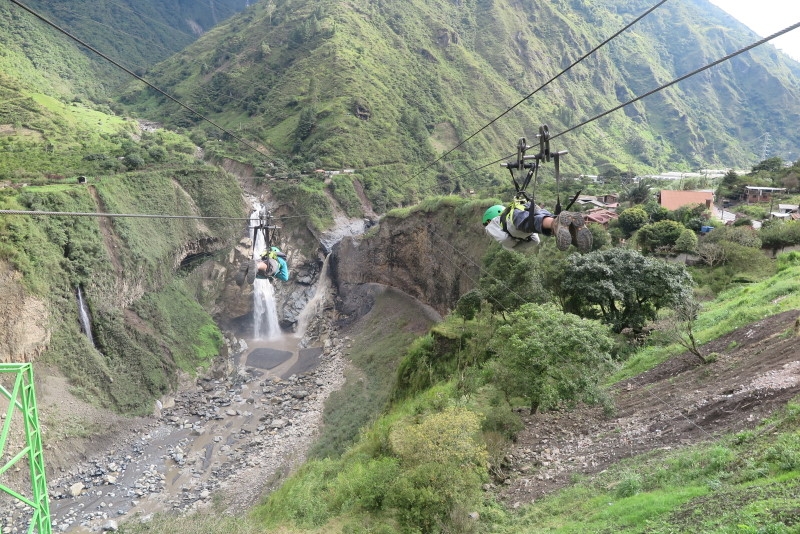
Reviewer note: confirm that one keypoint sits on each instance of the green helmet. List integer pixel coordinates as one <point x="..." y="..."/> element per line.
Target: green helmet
<point x="492" y="212"/>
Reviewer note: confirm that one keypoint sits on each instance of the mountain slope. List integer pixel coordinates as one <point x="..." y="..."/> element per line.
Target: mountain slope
<point x="133" y="33"/>
<point x="388" y="87"/>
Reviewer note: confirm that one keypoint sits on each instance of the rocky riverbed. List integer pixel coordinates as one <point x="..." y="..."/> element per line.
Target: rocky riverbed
<point x="230" y="439"/>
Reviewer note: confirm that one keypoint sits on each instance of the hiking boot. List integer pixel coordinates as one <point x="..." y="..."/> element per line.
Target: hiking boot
<point x="252" y="271"/>
<point x="561" y="230"/>
<point x="242" y="272"/>
<point x="247" y="271"/>
<point x="581" y="235"/>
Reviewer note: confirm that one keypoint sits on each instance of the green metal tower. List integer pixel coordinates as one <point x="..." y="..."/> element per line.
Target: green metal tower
<point x="22" y="399"/>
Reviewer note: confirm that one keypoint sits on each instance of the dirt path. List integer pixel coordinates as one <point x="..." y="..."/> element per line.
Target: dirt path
<point x="677" y="403"/>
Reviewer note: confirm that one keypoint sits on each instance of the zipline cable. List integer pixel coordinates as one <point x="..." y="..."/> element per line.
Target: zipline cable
<point x="112" y="215"/>
<point x="115" y="63"/>
<point x="545" y="84"/>
<point x="138" y="215"/>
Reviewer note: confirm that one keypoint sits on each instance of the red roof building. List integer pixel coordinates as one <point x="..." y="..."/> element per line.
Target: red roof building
<point x="600" y="216"/>
<point x="673" y="200"/>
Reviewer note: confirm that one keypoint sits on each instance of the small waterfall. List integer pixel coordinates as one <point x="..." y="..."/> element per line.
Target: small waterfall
<point x="265" y="313"/>
<point x="311" y="308"/>
<point x="83" y="316"/>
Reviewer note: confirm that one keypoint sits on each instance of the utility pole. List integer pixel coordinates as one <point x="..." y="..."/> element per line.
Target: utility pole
<point x="765" y="147"/>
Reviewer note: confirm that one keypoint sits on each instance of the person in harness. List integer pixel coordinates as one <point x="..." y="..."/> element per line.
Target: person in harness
<point x="271" y="265"/>
<point x="518" y="226"/>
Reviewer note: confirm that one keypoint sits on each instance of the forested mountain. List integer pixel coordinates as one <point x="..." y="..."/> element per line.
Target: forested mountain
<point x="56" y="104"/>
<point x="387" y="87"/>
<point x="136" y="34"/>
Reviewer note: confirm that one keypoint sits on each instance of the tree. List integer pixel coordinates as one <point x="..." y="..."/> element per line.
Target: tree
<point x="779" y="235"/>
<point x="742" y="235"/>
<point x="662" y="234"/>
<point x="632" y="219"/>
<point x="306" y="123"/>
<point x="690" y="215"/>
<point x="656" y="211"/>
<point x="772" y="164"/>
<point x="711" y="253"/>
<point x="791" y="182"/>
<point x="600" y="236"/>
<point x="549" y="357"/>
<point x="637" y="193"/>
<point x="469" y="305"/>
<point x="510" y="279"/>
<point x="622" y="287"/>
<point x="687" y="242"/>
<point x="680" y="327"/>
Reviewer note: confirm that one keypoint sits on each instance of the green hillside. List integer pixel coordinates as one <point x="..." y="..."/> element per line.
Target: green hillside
<point x="146" y="318"/>
<point x="388" y="87"/>
<point x="136" y="34"/>
<point x="37" y="56"/>
<point x="385" y="88"/>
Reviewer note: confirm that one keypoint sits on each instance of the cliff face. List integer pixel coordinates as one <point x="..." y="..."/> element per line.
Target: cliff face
<point x="432" y="256"/>
<point x="23" y="320"/>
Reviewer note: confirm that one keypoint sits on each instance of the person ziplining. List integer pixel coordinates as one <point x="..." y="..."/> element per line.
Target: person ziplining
<point x="273" y="265"/>
<point x="271" y="261"/>
<point x="517" y="226"/>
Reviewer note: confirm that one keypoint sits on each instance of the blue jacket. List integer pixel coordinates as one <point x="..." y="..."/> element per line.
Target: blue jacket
<point x="283" y="271"/>
<point x="281" y="274"/>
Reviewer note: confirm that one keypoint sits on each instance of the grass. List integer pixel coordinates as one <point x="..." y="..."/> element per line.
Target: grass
<point x="378" y="347"/>
<point x="63" y="426"/>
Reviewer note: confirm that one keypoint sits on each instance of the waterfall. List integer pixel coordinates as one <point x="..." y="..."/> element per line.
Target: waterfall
<point x="311" y="308"/>
<point x="83" y="316"/>
<point x="265" y="313"/>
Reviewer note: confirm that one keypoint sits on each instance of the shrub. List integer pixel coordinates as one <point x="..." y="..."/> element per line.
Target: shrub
<point x="133" y="161"/>
<point x="503" y="420"/>
<point x="444" y="462"/>
<point x="787" y="260"/>
<point x="661" y="234"/>
<point x="687" y="242"/>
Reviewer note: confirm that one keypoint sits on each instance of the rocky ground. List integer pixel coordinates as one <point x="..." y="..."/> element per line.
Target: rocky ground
<point x="678" y="403"/>
<point x="228" y="439"/>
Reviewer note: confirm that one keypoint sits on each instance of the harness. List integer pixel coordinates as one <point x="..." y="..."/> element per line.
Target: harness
<point x="531" y="163"/>
<point x="507" y="218"/>
<point x="265" y="227"/>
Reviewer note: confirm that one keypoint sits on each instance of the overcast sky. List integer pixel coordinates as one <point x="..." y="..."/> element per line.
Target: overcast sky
<point x="766" y="17"/>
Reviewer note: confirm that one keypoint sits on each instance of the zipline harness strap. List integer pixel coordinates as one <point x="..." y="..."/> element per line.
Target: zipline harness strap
<point x="264" y="226"/>
<point x="524" y="162"/>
